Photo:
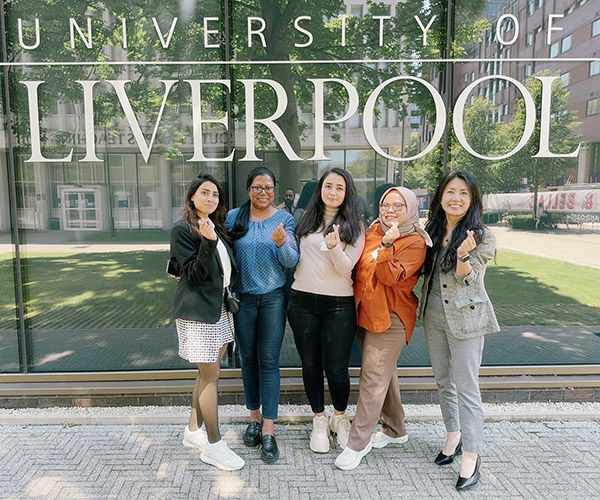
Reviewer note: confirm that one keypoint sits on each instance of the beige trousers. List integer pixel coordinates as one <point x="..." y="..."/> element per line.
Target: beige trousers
<point x="378" y="390"/>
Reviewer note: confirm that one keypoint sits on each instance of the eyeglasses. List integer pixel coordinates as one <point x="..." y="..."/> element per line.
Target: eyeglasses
<point x="260" y="189"/>
<point x="384" y="207"/>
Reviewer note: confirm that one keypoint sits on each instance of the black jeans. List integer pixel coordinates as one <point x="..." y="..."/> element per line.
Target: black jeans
<point x="324" y="328"/>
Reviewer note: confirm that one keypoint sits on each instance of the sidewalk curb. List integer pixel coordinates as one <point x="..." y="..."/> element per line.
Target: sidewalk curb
<point x="290" y="418"/>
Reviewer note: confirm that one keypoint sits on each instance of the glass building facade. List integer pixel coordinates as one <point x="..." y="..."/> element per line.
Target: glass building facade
<point x="110" y="108"/>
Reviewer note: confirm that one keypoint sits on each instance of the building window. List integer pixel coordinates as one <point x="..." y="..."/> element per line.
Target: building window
<point x="565" y="44"/>
<point x="527" y="70"/>
<point x="505" y="109"/>
<point x="565" y="78"/>
<point x="538" y="4"/>
<point x="356" y="11"/>
<point x="528" y="39"/>
<point x="569" y="10"/>
<point x="594" y="68"/>
<point x="529" y="7"/>
<point x="596" y="28"/>
<point x="581" y="3"/>
<point x="592" y="107"/>
<point x="554" y="49"/>
<point x="414" y="122"/>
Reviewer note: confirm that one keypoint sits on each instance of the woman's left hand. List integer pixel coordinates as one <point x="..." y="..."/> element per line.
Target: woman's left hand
<point x="467" y="245"/>
<point x="333" y="238"/>
<point x="279" y="235"/>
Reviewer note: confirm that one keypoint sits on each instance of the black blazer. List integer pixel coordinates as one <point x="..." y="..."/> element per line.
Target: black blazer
<point x="199" y="292"/>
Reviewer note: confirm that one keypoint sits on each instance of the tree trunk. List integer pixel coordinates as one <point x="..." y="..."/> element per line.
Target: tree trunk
<point x="277" y="50"/>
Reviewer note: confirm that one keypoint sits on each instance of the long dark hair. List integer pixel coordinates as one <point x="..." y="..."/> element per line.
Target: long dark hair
<point x="217" y="217"/>
<point x="241" y="224"/>
<point x="349" y="216"/>
<point x="436" y="224"/>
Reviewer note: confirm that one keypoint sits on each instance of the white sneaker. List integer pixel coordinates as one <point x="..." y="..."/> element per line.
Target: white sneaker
<point x="340" y="425"/>
<point x="350" y="459"/>
<point x="195" y="439"/>
<point x="381" y="439"/>
<point x="319" y="437"/>
<point x="219" y="455"/>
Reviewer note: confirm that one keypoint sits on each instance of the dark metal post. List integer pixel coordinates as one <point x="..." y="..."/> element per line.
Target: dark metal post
<point x="12" y="194"/>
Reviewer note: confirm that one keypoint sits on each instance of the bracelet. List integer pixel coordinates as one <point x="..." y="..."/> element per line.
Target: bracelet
<point x="463" y="259"/>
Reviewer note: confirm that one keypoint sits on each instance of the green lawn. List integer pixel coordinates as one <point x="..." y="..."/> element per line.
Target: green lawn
<point x="131" y="290"/>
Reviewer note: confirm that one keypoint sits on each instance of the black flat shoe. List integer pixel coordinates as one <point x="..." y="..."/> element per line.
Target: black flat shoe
<point x="269" y="452"/>
<point x="252" y="434"/>
<point x="442" y="459"/>
<point x="466" y="482"/>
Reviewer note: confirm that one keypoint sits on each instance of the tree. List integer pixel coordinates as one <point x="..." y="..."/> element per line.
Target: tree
<point x="540" y="171"/>
<point x="481" y="132"/>
<point x="424" y="172"/>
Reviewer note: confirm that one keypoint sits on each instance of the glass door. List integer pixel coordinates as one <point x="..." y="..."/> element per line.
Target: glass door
<point x="81" y="209"/>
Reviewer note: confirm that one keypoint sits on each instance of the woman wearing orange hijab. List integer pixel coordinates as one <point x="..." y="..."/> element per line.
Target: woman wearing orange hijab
<point x="386" y="306"/>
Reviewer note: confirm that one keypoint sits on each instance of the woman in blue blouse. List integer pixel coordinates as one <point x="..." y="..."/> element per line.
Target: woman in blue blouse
<point x="265" y="245"/>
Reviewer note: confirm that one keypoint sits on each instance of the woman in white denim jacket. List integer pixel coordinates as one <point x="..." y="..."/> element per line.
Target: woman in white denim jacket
<point x="457" y="314"/>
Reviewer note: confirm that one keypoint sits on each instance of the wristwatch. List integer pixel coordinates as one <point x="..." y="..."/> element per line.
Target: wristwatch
<point x="386" y="245"/>
<point x="463" y="259"/>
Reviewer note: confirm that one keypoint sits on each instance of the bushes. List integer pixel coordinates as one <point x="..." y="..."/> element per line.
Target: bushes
<point x="526" y="222"/>
<point x="490" y="217"/>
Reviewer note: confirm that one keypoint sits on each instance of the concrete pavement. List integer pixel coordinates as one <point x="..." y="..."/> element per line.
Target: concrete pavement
<point x="539" y="459"/>
<point x="572" y="246"/>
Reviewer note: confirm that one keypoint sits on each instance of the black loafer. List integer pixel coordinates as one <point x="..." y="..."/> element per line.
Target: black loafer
<point x="269" y="452"/>
<point x="466" y="482"/>
<point x="252" y="434"/>
<point x="442" y="459"/>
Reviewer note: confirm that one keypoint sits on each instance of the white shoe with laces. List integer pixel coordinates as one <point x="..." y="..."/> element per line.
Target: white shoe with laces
<point x="350" y="459"/>
<point x="195" y="439"/>
<point x="319" y="437"/>
<point x="340" y="425"/>
<point x="381" y="439"/>
<point x="221" y="456"/>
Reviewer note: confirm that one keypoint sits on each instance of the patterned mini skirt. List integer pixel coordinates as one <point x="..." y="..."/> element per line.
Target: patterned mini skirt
<point x="200" y="342"/>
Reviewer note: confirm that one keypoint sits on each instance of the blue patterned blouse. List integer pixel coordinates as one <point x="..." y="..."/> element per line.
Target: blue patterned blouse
<point x="261" y="265"/>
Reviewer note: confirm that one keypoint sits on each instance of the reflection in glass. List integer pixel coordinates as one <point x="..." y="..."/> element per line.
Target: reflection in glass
<point x="9" y="351"/>
<point x="96" y="227"/>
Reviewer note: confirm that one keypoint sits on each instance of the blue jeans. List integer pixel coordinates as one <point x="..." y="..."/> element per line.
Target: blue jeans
<point x="324" y="327"/>
<point x="259" y="328"/>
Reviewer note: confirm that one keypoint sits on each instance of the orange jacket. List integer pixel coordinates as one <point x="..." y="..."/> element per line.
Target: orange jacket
<point x="385" y="285"/>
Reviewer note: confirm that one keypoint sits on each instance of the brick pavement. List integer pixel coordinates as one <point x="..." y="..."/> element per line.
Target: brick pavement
<point x="522" y="460"/>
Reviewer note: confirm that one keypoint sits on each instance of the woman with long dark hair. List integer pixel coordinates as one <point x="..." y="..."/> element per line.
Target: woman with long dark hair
<point x="457" y="315"/>
<point x="321" y="312"/>
<point x="265" y="245"/>
<point x="203" y="260"/>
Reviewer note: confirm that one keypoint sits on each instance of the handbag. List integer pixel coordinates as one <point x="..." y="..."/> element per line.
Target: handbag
<point x="232" y="302"/>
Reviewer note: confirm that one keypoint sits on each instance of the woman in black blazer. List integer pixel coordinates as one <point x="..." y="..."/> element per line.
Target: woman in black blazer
<point x="202" y="258"/>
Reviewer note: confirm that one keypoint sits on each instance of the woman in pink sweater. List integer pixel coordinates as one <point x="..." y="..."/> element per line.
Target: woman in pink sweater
<point x="331" y="235"/>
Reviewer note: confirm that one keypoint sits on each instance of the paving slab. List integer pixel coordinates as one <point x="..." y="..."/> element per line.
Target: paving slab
<point x="522" y="460"/>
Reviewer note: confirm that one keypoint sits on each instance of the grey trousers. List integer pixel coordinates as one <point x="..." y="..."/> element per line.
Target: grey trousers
<point x="455" y="366"/>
